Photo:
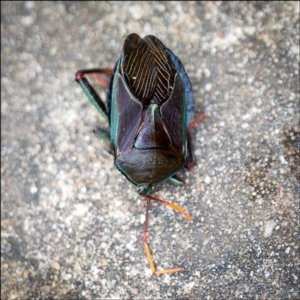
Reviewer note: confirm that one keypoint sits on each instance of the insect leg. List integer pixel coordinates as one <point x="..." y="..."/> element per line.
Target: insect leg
<point x="145" y="238"/>
<point x="191" y="160"/>
<point x="175" y="180"/>
<point x="174" y="206"/>
<point x="103" y="134"/>
<point x="91" y="93"/>
<point x="196" y="121"/>
<point x="95" y="73"/>
<point x="147" y="249"/>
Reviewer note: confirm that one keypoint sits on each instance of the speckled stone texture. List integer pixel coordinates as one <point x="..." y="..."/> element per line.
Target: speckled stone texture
<point x="71" y="224"/>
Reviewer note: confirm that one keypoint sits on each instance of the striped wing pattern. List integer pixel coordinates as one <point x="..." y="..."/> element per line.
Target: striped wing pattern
<point x="147" y="69"/>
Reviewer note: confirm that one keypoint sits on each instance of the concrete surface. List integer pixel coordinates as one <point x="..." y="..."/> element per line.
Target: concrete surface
<point x="72" y="225"/>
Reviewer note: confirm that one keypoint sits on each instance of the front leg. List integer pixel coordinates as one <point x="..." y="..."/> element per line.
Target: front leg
<point x="88" y="89"/>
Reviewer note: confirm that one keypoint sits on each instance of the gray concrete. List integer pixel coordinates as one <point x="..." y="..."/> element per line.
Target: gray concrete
<point x="72" y="224"/>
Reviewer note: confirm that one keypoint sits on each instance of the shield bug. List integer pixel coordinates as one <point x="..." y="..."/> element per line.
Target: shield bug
<point x="149" y="109"/>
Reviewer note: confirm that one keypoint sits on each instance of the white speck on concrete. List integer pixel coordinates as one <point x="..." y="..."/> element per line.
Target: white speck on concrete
<point x="33" y="189"/>
<point x="207" y="179"/>
<point x="269" y="228"/>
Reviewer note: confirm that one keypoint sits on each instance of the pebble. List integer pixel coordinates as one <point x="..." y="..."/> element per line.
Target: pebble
<point x="33" y="189"/>
<point x="80" y="209"/>
<point x="55" y="265"/>
<point x="259" y="102"/>
<point x="208" y="87"/>
<point x="207" y="72"/>
<point x="269" y="228"/>
<point x="67" y="276"/>
<point x="207" y="179"/>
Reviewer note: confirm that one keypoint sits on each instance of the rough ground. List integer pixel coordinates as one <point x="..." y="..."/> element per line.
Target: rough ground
<point x="71" y="224"/>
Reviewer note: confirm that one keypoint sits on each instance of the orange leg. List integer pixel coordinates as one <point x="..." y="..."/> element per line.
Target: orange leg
<point x="196" y="121"/>
<point x="149" y="256"/>
<point x="99" y="78"/>
<point x="95" y="73"/>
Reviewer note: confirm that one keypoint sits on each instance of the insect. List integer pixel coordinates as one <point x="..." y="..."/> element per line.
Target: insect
<point x="149" y="109"/>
